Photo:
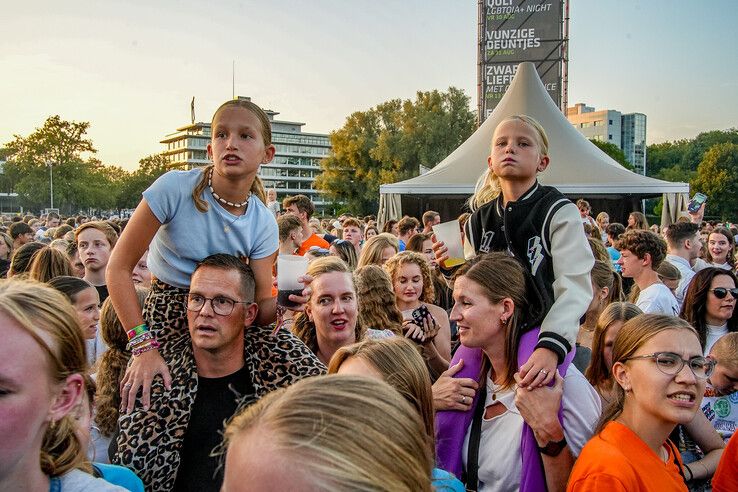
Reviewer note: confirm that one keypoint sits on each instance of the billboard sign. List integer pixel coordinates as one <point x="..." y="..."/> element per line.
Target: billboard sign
<point x="516" y="31"/>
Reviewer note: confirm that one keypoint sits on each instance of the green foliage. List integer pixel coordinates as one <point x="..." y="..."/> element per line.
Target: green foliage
<point x="614" y="151"/>
<point x="388" y="144"/>
<point x="664" y="155"/>
<point x="133" y="184"/>
<point x="717" y="177"/>
<point x="681" y="158"/>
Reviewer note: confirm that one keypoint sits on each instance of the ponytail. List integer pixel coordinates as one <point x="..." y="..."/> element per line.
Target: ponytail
<point x="486" y="189"/>
<point x="61" y="450"/>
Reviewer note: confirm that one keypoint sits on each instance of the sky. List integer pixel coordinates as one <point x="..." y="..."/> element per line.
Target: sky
<point x="131" y="68"/>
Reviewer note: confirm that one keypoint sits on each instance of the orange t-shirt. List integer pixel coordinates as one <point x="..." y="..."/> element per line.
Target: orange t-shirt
<point x="726" y="475"/>
<point x="616" y="459"/>
<point x="313" y="240"/>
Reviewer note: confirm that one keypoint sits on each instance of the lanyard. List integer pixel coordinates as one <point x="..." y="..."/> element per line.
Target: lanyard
<point x="55" y="484"/>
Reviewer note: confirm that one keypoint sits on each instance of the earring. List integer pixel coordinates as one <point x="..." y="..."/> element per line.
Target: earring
<point x="503" y="320"/>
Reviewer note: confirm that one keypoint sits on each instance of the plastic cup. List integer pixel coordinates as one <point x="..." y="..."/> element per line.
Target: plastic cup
<point x="289" y="269"/>
<point x="450" y="234"/>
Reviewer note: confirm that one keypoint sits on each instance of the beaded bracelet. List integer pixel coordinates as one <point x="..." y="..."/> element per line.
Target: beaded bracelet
<point x="152" y="345"/>
<point x="143" y="337"/>
<point x="137" y="330"/>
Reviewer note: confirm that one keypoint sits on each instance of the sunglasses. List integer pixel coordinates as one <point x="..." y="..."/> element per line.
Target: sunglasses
<point x="721" y="292"/>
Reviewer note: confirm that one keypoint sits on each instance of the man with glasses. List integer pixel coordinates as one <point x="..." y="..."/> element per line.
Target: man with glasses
<point x="229" y="365"/>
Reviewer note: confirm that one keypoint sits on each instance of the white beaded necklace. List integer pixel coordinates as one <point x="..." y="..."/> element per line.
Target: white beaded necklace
<point x="245" y="203"/>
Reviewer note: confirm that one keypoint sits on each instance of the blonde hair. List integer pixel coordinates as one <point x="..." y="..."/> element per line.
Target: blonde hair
<point x="394" y="264"/>
<point x="112" y="365"/>
<point x="371" y="252"/>
<point x="598" y="249"/>
<point x="45" y="314"/>
<point x="603" y="276"/>
<point x="377" y="304"/>
<point x="323" y="424"/>
<point x="101" y="226"/>
<point x="303" y="328"/>
<point x="400" y="364"/>
<point x="725" y="350"/>
<point x="48" y="263"/>
<point x="597" y="372"/>
<point x="632" y="336"/>
<point x="487" y="187"/>
<point x="257" y="187"/>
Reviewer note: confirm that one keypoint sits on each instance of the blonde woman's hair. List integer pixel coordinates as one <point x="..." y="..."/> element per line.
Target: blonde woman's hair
<point x="487" y="187"/>
<point x="394" y="264"/>
<point x="377" y="304"/>
<point x="598" y="249"/>
<point x="257" y="187"/>
<point x="303" y="328"/>
<point x="399" y="362"/>
<point x="631" y="337"/>
<point x="322" y="425"/>
<point x="371" y="252"/>
<point x="48" y="317"/>
<point x="597" y="372"/>
<point x="603" y="275"/>
<point x="49" y="263"/>
<point x="725" y="350"/>
<point x="112" y="366"/>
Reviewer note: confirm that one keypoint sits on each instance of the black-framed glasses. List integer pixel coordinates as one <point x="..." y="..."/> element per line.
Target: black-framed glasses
<point x="221" y="305"/>
<point x="721" y="292"/>
<point x="671" y="364"/>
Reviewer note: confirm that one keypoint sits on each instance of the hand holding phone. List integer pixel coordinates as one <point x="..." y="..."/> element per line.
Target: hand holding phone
<point x="696" y="202"/>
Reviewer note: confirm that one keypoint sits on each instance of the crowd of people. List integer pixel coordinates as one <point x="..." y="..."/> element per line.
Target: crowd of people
<point x="566" y="352"/>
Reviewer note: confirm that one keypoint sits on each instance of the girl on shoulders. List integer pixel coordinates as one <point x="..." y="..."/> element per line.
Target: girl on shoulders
<point x="187" y="216"/>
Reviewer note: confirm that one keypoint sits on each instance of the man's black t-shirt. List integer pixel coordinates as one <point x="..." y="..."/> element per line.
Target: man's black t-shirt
<point x="216" y="401"/>
<point x="102" y="292"/>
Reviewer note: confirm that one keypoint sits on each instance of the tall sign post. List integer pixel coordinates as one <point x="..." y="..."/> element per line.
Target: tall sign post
<point x="514" y="31"/>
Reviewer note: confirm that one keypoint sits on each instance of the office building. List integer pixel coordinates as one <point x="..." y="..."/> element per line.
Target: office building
<point x="626" y="131"/>
<point x="293" y="170"/>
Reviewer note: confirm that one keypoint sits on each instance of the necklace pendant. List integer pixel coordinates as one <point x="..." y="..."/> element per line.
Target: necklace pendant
<point x="226" y="229"/>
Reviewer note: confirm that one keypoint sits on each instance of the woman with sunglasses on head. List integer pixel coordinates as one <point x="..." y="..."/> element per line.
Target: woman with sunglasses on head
<point x="660" y="377"/>
<point x="709" y="305"/>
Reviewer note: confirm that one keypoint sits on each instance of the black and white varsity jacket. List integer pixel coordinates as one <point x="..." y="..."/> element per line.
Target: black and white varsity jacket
<point x="543" y="230"/>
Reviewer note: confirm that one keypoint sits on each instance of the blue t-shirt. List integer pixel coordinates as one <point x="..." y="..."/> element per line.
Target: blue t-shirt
<point x="120" y="476"/>
<point x="188" y="236"/>
<point x="614" y="256"/>
<point x="446" y="482"/>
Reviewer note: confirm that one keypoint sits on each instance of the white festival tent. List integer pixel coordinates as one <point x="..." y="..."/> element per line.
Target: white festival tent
<point x="578" y="168"/>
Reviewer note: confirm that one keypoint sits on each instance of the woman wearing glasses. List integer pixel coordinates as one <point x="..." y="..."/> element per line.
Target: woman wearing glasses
<point x="660" y="375"/>
<point x="709" y="305"/>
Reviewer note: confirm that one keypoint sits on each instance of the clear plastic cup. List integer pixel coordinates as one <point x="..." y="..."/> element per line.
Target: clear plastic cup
<point x="289" y="269"/>
<point x="450" y="234"/>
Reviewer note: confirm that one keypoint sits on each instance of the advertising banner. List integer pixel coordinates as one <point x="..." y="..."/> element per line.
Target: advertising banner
<point x="516" y="31"/>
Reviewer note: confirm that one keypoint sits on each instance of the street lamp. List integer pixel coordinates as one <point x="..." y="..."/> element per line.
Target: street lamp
<point x="51" y="184"/>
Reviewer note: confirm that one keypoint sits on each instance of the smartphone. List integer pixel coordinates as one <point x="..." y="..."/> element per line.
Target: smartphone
<point x="420" y="314"/>
<point x="696" y="202"/>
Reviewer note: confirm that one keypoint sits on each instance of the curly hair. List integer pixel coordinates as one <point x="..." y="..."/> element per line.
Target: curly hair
<point x="377" y="306"/>
<point x="112" y="366"/>
<point x="394" y="264"/>
<point x="694" y="308"/>
<point x="640" y="243"/>
<point x="303" y="328"/>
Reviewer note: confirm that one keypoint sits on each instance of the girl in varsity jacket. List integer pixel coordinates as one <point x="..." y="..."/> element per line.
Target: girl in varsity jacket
<point x="541" y="228"/>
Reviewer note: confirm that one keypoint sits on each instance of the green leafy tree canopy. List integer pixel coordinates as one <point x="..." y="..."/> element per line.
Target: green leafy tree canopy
<point x="390" y="142"/>
<point x="717" y="177"/>
<point x="613" y="151"/>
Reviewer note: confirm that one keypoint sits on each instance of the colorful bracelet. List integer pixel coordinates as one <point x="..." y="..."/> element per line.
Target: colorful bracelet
<point x="143" y="337"/>
<point x="152" y="345"/>
<point x="137" y="330"/>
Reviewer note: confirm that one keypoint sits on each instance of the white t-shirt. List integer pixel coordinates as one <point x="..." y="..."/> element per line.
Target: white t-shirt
<point x="500" y="463"/>
<point x="685" y="269"/>
<point x="713" y="334"/>
<point x="188" y="236"/>
<point x="658" y="299"/>
<point x="721" y="411"/>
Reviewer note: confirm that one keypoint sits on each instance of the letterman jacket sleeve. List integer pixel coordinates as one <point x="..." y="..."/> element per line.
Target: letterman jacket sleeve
<point x="572" y="260"/>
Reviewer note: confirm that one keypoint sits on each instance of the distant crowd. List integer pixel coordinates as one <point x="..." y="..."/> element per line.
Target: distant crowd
<point x="563" y="352"/>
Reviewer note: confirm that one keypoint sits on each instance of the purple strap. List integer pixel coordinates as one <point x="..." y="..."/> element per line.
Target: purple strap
<point x="451" y="425"/>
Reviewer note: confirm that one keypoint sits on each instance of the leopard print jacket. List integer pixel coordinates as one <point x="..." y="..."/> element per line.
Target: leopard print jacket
<point x="149" y="442"/>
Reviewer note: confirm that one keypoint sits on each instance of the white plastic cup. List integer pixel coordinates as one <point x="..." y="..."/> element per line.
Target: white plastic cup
<point x="289" y="269"/>
<point x="450" y="234"/>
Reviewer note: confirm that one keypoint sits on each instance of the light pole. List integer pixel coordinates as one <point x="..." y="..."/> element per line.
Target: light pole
<point x="51" y="184"/>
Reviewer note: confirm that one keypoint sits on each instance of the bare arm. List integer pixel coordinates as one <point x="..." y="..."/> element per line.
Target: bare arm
<point x="128" y="250"/>
<point x="703" y="433"/>
<point x="262" y="269"/>
<point x="442" y="340"/>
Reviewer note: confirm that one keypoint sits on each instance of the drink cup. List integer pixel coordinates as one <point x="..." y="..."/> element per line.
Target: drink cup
<point x="450" y="234"/>
<point x="289" y="269"/>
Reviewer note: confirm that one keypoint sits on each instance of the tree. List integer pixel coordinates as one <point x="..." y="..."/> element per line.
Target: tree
<point x="717" y="177"/>
<point x="613" y="151"/>
<point x="664" y="155"/>
<point x="388" y="143"/>
<point x="58" y="145"/>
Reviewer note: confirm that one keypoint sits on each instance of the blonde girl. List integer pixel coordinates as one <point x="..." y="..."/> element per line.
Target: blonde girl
<point x="379" y="249"/>
<point x="187" y="216"/>
<point x="542" y="229"/>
